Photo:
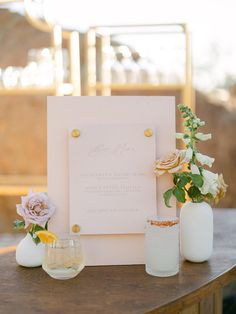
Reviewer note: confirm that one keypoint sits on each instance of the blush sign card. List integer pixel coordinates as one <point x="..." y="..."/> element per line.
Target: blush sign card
<point x="101" y="153"/>
<point x="112" y="186"/>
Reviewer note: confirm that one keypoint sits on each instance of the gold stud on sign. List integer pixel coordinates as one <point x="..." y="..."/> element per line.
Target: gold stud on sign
<point x="75" y="133"/>
<point x="75" y="228"/>
<point x="148" y="132"/>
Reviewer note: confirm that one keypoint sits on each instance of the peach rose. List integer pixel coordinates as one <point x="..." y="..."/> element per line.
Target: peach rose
<point x="170" y="163"/>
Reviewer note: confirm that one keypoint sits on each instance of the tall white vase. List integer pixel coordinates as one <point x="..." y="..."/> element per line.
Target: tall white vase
<point x="196" y="231"/>
<point x="29" y="254"/>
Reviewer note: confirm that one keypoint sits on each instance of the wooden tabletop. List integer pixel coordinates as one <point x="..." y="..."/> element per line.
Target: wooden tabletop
<point x="121" y="289"/>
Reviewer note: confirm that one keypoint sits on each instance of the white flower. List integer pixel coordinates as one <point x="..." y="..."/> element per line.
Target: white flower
<point x="179" y="136"/>
<point x="187" y="154"/>
<point x="186" y="141"/>
<point x="199" y="122"/>
<point x="204" y="159"/>
<point x="203" y="137"/>
<point x="210" y="183"/>
<point x="194" y="169"/>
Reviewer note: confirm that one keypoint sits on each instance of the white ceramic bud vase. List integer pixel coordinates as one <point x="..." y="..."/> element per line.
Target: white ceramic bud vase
<point x="196" y="231"/>
<point x="29" y="254"/>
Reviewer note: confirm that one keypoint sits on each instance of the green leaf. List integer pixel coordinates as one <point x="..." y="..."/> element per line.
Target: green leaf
<point x="175" y="179"/>
<point x="32" y="231"/>
<point x="18" y="224"/>
<point x="194" y="192"/>
<point x="46" y="226"/>
<point x="34" y="238"/>
<point x="179" y="194"/>
<point x="197" y="180"/>
<point x="209" y="195"/>
<point x="167" y="195"/>
<point x="183" y="180"/>
<point x="185" y="173"/>
<point x="36" y="228"/>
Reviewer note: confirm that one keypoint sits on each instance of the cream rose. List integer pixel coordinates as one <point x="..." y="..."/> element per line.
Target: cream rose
<point x="170" y="163"/>
<point x="222" y="188"/>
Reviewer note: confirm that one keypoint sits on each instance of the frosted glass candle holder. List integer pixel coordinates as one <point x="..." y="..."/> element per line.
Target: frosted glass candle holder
<point x="162" y="246"/>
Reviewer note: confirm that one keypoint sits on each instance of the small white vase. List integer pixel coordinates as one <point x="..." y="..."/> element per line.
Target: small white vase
<point x="29" y="254"/>
<point x="196" y="231"/>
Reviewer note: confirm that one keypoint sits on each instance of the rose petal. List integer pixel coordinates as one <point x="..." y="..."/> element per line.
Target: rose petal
<point x="176" y="169"/>
<point x="159" y="172"/>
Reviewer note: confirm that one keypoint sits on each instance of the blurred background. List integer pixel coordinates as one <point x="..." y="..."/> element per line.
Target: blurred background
<point x="183" y="48"/>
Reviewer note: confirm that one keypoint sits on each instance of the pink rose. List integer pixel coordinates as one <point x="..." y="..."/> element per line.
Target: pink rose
<point x="35" y="208"/>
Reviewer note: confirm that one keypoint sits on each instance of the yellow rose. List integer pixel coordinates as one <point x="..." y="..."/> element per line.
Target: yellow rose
<point x="222" y="188"/>
<point x="170" y="163"/>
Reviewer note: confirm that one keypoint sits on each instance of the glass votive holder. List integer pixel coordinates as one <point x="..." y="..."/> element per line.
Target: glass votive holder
<point x="162" y="246"/>
<point x="63" y="259"/>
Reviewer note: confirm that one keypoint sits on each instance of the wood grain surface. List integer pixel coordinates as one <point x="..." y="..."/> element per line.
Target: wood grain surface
<point x="122" y="289"/>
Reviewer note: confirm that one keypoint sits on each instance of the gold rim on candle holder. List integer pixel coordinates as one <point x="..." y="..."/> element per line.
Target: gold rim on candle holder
<point x="164" y="222"/>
